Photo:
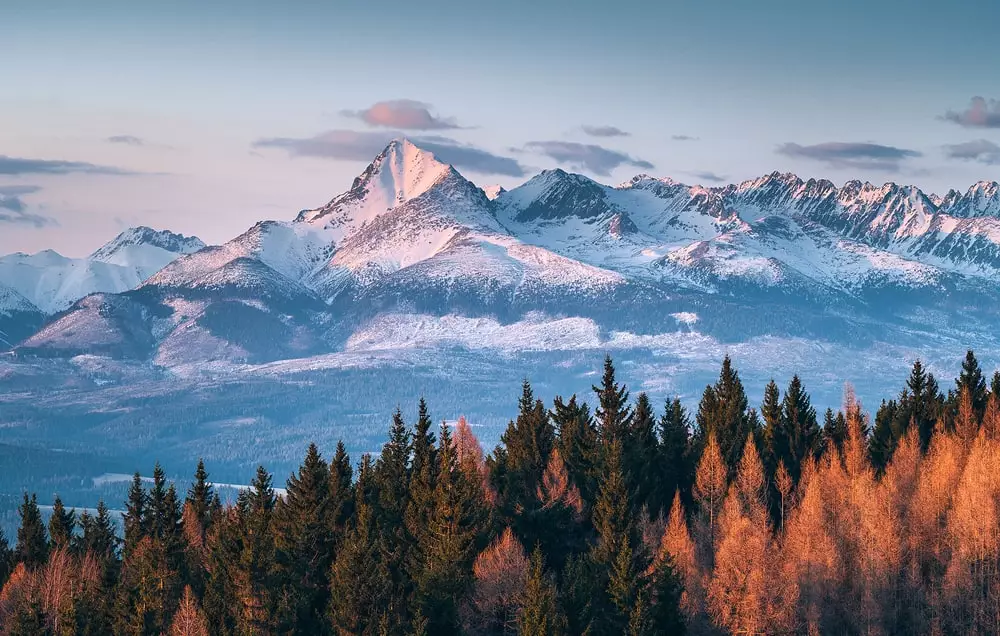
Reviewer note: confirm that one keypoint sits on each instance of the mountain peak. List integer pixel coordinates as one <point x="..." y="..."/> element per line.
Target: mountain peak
<point x="142" y="235"/>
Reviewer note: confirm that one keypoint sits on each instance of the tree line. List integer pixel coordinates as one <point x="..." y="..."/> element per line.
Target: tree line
<point x="615" y="519"/>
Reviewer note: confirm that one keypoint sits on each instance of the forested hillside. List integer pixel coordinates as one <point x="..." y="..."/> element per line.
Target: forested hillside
<point x="596" y="514"/>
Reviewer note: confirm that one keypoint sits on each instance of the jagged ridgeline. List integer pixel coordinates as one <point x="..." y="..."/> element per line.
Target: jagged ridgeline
<point x="414" y="243"/>
<point x="602" y="513"/>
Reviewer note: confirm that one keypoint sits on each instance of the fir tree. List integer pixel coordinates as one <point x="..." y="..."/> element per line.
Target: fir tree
<point x="303" y="543"/>
<point x="540" y="614"/>
<point x="136" y="517"/>
<point x="724" y="410"/>
<point x="798" y="435"/>
<point x="643" y="467"/>
<point x="200" y="496"/>
<point x="32" y="546"/>
<point x="62" y="525"/>
<point x="614" y="417"/>
<point x="577" y="442"/>
<point x="360" y="585"/>
<point x="971" y="378"/>
<point x="675" y="454"/>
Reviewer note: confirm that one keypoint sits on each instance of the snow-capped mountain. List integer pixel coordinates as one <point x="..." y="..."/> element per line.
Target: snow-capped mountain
<point x="18" y="317"/>
<point x="52" y="282"/>
<point x="414" y="238"/>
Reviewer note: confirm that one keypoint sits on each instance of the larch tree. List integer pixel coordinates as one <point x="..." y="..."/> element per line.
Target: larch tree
<point x="501" y="573"/>
<point x="709" y="494"/>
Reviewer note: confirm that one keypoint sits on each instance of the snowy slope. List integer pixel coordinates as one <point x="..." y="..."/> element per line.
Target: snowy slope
<point x="53" y="282"/>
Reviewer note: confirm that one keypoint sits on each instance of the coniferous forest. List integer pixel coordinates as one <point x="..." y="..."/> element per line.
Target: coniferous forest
<point x="598" y="514"/>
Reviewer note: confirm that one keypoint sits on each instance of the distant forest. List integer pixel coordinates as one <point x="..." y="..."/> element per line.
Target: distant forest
<point x="607" y="517"/>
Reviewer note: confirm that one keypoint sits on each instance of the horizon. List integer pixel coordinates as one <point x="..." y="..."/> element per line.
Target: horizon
<point x="205" y="120"/>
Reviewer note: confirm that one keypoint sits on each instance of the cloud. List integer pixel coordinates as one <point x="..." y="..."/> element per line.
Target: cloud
<point x="605" y="131"/>
<point x="19" y="165"/>
<point x="979" y="150"/>
<point x="128" y="140"/>
<point x="406" y="114"/>
<point x="683" y="138"/>
<point x="981" y="113"/>
<point x="13" y="208"/>
<point x="363" y="146"/>
<point x="590" y="157"/>
<point x="709" y="176"/>
<point x="865" y="156"/>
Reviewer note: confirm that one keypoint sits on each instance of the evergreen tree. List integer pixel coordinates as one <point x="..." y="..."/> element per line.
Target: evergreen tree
<point x="577" y="442"/>
<point x="798" y="435"/>
<point x="340" y="493"/>
<point x="643" y="467"/>
<point x="971" y="378"/>
<point x="885" y="435"/>
<point x="540" y="614"/>
<point x="919" y="404"/>
<point x="62" y="525"/>
<point x="528" y="441"/>
<point x="449" y="546"/>
<point x="614" y="417"/>
<point x="200" y="496"/>
<point x="392" y="473"/>
<point x="665" y="615"/>
<point x="360" y="585"/>
<point x="724" y="410"/>
<point x="771" y="412"/>
<point x="303" y="544"/>
<point x="254" y="576"/>
<point x="834" y="431"/>
<point x="32" y="546"/>
<point x="677" y="473"/>
<point x="995" y="383"/>
<point x="98" y="536"/>
<point x="6" y="559"/>
<point x="136" y="517"/>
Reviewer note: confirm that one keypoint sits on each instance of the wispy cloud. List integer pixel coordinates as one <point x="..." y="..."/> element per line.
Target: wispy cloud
<point x="864" y="156"/>
<point x="979" y="150"/>
<point x="128" y="140"/>
<point x="981" y="113"/>
<point x="590" y="157"/>
<point x="363" y="146"/>
<point x="709" y="176"/>
<point x="14" y="209"/>
<point x="683" y="138"/>
<point x="20" y="165"/>
<point x="604" y="131"/>
<point x="405" y="114"/>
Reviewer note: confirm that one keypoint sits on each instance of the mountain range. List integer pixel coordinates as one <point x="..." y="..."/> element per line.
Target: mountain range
<point x="416" y="255"/>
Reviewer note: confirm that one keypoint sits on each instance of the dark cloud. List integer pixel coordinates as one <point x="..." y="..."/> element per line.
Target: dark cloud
<point x="981" y="113"/>
<point x="19" y="165"/>
<point x="709" y="176"/>
<point x="683" y="138"/>
<point x="979" y="150"/>
<point x="405" y="114"/>
<point x="127" y="140"/>
<point x="13" y="209"/>
<point x="363" y="146"/>
<point x="589" y="157"/>
<point x="865" y="156"/>
<point x="605" y="131"/>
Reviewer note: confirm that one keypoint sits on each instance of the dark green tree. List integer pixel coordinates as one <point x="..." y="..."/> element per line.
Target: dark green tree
<point x="920" y="404"/>
<point x="971" y="377"/>
<point x="642" y="459"/>
<point x="614" y="417"/>
<point x="136" y="517"/>
<point x="303" y="545"/>
<point x="675" y="453"/>
<point x="200" y="496"/>
<point x="885" y="435"/>
<point x="62" y="525"/>
<point x="577" y="443"/>
<point x="340" y="504"/>
<point x="798" y="435"/>
<point x="724" y="410"/>
<point x="540" y="614"/>
<point x="32" y="546"/>
<point x="834" y="431"/>
<point x="665" y="616"/>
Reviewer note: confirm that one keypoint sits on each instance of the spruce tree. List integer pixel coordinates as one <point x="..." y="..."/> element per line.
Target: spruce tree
<point x="256" y="583"/>
<point x="136" y="517"/>
<point x="340" y="493"/>
<point x="540" y="613"/>
<point x="6" y="559"/>
<point x="577" y="442"/>
<point x="675" y="454"/>
<point x="303" y="544"/>
<point x="834" y="431"/>
<point x="885" y="435"/>
<point x="200" y="496"/>
<point x="665" y="616"/>
<point x="614" y="417"/>
<point x="724" y="410"/>
<point x="32" y="547"/>
<point x="643" y="467"/>
<point x="528" y="441"/>
<point x="971" y="377"/>
<point x="919" y="404"/>
<point x="359" y="580"/>
<point x="62" y="525"/>
<point x="798" y="436"/>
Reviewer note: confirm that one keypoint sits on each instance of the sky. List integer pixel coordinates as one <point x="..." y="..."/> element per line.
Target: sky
<point x="206" y="119"/>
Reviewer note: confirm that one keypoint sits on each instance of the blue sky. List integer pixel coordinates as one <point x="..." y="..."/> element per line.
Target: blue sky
<point x="206" y="119"/>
